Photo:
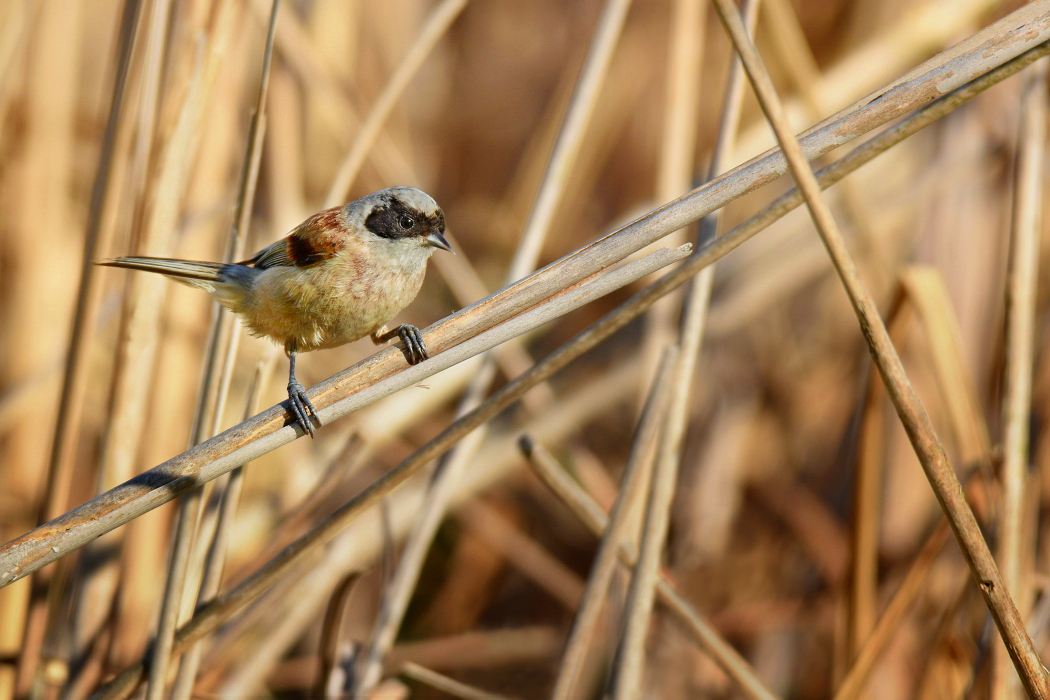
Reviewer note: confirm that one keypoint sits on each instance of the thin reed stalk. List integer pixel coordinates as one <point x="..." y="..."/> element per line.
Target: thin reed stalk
<point x="876" y="642"/>
<point x="445" y="684"/>
<point x="594" y="518"/>
<point x="633" y="488"/>
<point x="440" y="20"/>
<point x="1026" y="231"/>
<point x="213" y="390"/>
<point x="910" y="409"/>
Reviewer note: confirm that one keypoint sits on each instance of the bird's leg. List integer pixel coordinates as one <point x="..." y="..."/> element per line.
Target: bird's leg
<point x="301" y="406"/>
<point x="415" y="350"/>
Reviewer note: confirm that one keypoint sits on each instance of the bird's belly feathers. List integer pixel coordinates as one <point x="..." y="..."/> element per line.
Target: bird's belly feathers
<point x="319" y="307"/>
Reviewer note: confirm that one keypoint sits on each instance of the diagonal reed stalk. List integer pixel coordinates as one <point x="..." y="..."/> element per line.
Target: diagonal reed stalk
<point x="910" y="409"/>
<point x="447" y="474"/>
<point x="445" y="684"/>
<point x="627" y="683"/>
<point x="436" y="27"/>
<point x="622" y="522"/>
<point x="595" y="519"/>
<point x="1016" y="36"/>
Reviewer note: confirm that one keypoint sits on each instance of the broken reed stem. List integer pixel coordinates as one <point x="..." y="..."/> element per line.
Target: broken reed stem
<point x="566" y="147"/>
<point x="1025" y="236"/>
<point x="633" y="487"/>
<point x="580" y="503"/>
<point x="910" y="409"/>
<point x="267" y="431"/>
<point x="222" y="326"/>
<point x="331" y="632"/>
<point x="227" y="604"/>
<point x="419" y="49"/>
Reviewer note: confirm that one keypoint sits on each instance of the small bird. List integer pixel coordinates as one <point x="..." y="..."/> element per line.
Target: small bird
<point x="340" y="275"/>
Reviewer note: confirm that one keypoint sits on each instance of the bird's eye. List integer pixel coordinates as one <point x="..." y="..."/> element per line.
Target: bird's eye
<point x="406" y="222"/>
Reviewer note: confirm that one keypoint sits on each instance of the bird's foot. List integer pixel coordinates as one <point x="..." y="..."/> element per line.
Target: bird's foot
<point x="415" y="349"/>
<point x="301" y="407"/>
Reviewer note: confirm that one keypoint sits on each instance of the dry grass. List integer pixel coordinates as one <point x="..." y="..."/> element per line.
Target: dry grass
<point x="790" y="546"/>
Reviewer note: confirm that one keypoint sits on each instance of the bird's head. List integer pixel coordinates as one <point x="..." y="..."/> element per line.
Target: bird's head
<point x="403" y="216"/>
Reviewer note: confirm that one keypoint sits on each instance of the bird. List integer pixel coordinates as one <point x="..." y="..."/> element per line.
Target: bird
<point x="339" y="276"/>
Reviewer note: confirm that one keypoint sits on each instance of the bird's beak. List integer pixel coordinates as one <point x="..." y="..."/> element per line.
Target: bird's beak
<point x="438" y="241"/>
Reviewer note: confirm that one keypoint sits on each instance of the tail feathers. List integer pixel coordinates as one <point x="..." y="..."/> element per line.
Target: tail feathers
<point x="229" y="284"/>
<point x="188" y="271"/>
<point x="207" y="276"/>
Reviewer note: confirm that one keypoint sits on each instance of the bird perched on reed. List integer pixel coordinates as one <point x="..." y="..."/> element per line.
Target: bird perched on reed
<point x="340" y="275"/>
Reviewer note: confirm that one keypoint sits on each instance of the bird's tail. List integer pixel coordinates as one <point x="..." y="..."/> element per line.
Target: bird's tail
<point x="218" y="279"/>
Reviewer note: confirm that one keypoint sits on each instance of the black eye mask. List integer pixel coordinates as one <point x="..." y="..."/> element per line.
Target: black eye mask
<point x="387" y="221"/>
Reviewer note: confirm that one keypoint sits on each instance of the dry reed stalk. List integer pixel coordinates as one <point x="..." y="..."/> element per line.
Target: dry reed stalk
<point x="445" y="684"/>
<point x="85" y="317"/>
<point x="223" y="607"/>
<point x="213" y="388"/>
<point x="868" y="501"/>
<point x="228" y="497"/>
<point x="483" y="649"/>
<point x="440" y="20"/>
<point x="329" y="684"/>
<point x="263" y="433"/>
<point x="591" y="514"/>
<point x="480" y="649"/>
<point x="89" y="295"/>
<point x="399" y="593"/>
<point x="794" y="53"/>
<point x="927" y="292"/>
<point x="633" y="488"/>
<point x="876" y="642"/>
<point x="41" y="179"/>
<point x="146" y="293"/>
<point x="526" y="256"/>
<point x="1025" y="235"/>
<point x="466" y="285"/>
<point x="920" y="30"/>
<point x="917" y="423"/>
<point x="698" y="295"/>
<point x="524" y="553"/>
<point x="677" y="159"/>
<point x="156" y="217"/>
<point x="638" y="607"/>
<point x="340" y="112"/>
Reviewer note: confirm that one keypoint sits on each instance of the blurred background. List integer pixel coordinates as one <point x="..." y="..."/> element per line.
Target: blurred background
<point x="763" y="526"/>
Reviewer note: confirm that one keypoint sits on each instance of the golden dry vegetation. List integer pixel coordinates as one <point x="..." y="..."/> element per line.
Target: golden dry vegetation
<point x="801" y="531"/>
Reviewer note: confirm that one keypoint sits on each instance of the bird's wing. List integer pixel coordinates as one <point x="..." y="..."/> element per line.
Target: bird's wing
<point x="317" y="239"/>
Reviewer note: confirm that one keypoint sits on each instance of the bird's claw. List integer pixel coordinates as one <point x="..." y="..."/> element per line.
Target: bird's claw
<point x="302" y="407"/>
<point x="415" y="349"/>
